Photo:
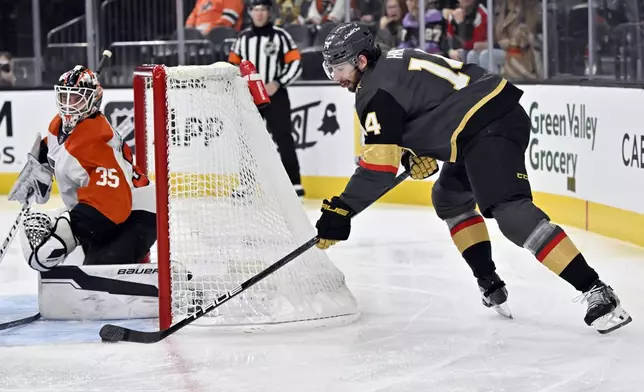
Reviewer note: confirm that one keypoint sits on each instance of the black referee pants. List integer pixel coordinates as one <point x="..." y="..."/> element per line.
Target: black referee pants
<point x="278" y="122"/>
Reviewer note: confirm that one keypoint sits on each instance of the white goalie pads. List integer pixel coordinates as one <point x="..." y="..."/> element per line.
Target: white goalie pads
<point x="99" y="292"/>
<point x="46" y="242"/>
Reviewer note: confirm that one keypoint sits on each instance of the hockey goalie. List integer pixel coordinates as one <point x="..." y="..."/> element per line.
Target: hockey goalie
<point x="109" y="204"/>
<point x="109" y="212"/>
<point x="109" y="209"/>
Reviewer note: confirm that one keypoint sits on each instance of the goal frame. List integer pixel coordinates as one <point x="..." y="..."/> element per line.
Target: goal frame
<point x="323" y="300"/>
<point x="158" y="76"/>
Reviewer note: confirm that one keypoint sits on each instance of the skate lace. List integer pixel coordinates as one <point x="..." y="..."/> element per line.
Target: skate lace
<point x="594" y="296"/>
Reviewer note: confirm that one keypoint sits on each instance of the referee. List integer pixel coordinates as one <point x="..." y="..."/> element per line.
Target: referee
<point x="277" y="59"/>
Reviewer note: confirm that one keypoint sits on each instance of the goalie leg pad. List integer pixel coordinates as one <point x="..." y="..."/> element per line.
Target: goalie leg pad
<point x="46" y="245"/>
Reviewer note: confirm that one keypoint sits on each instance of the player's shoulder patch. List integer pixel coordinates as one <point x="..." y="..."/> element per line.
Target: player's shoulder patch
<point x="396" y="54"/>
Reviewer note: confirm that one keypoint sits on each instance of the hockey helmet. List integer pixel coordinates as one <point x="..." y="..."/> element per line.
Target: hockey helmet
<point x="78" y="96"/>
<point x="344" y="44"/>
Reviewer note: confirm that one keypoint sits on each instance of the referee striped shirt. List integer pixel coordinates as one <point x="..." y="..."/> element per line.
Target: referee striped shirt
<point x="273" y="52"/>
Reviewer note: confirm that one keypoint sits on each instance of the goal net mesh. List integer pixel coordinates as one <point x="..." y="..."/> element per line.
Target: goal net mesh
<point x="232" y="209"/>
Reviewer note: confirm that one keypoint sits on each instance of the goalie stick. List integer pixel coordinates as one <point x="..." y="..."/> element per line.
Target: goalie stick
<point x="114" y="333"/>
<point x="17" y="323"/>
<point x="12" y="232"/>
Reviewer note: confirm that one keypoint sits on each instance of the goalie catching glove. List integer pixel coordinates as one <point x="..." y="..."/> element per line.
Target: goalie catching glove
<point x="35" y="178"/>
<point x="335" y="223"/>
<point x="419" y="167"/>
<point x="45" y="244"/>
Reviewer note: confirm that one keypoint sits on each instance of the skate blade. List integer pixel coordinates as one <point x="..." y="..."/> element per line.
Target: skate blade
<point x="503" y="310"/>
<point x="612" y="321"/>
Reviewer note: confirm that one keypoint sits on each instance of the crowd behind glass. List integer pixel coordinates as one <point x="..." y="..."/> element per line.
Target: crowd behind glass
<point x="524" y="40"/>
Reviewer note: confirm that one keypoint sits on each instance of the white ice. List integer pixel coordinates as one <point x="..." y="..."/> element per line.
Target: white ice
<point x="422" y="327"/>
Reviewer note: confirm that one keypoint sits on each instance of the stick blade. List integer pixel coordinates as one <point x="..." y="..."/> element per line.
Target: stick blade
<point x="110" y="333"/>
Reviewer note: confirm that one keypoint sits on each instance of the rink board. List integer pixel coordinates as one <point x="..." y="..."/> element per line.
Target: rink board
<point x="584" y="161"/>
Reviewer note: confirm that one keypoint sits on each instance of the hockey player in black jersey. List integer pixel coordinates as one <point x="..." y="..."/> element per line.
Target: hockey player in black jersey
<point x="416" y="108"/>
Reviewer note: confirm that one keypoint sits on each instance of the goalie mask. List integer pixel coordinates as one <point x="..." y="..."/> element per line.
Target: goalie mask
<point x="78" y="96"/>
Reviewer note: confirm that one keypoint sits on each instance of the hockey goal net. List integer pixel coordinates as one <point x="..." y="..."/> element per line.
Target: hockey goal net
<point x="225" y="207"/>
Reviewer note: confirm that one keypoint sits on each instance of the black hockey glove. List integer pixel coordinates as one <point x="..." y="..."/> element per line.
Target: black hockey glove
<point x="419" y="167"/>
<point x="335" y="223"/>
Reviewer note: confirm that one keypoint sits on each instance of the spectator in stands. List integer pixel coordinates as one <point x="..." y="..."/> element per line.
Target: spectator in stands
<point x="448" y="6"/>
<point x="7" y="78"/>
<point x="467" y="32"/>
<point x="209" y="14"/>
<point x="368" y="11"/>
<point x="322" y="11"/>
<point x="435" y="27"/>
<point x="390" y="33"/>
<point x="515" y="27"/>
<point x="288" y="12"/>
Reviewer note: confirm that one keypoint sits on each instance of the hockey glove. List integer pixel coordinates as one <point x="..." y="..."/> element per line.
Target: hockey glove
<point x="419" y="167"/>
<point x="335" y="223"/>
<point x="35" y="178"/>
<point x="46" y="244"/>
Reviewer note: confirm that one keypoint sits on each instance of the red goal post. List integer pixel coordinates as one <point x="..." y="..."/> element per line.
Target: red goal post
<point x="157" y="74"/>
<point x="225" y="207"/>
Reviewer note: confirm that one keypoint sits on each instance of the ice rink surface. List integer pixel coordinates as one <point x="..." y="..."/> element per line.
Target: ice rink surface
<point x="422" y="327"/>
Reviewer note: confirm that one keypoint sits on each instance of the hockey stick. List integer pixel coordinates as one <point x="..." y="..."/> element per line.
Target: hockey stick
<point x="12" y="232"/>
<point x="17" y="323"/>
<point x="115" y="333"/>
<point x="106" y="55"/>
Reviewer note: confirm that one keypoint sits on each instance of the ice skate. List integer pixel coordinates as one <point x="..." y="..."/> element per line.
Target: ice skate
<point x="604" y="311"/>
<point x="494" y="294"/>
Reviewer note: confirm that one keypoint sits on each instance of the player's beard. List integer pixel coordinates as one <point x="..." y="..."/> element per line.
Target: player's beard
<point x="351" y="83"/>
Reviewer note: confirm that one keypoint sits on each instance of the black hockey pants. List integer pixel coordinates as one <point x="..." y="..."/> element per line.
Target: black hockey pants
<point x="128" y="244"/>
<point x="278" y="122"/>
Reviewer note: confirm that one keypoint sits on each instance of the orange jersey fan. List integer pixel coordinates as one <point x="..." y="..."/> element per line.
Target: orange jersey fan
<point x="209" y="14"/>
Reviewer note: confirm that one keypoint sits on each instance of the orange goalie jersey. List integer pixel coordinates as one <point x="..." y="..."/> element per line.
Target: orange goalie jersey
<point x="93" y="166"/>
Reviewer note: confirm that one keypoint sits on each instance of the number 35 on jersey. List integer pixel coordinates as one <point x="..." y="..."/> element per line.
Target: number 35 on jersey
<point x="108" y="177"/>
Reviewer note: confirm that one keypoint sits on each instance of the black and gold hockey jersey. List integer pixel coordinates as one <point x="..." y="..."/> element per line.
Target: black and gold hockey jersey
<point x="428" y="104"/>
